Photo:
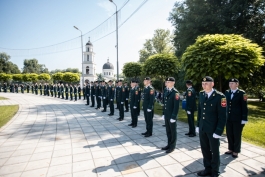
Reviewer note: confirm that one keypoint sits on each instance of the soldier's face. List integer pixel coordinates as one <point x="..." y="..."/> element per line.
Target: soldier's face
<point x="207" y="86"/>
<point x="170" y="84"/>
<point x="233" y="85"/>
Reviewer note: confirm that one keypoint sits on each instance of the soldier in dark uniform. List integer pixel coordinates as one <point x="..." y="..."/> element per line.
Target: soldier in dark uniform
<point x="134" y="102"/>
<point x="79" y="91"/>
<point x="40" y="88"/>
<point x="28" y="87"/>
<point x="121" y="99"/>
<point x="170" y="112"/>
<point x="86" y="92"/>
<point x="58" y="90"/>
<point x="22" y="88"/>
<point x="127" y="92"/>
<point x="71" y="92"/>
<point x="0" y="87"/>
<point x="51" y="90"/>
<point x="5" y="87"/>
<point x="66" y="91"/>
<point x="36" y="88"/>
<point x="237" y="116"/>
<point x="116" y="94"/>
<point x="75" y="92"/>
<point x="32" y="88"/>
<point x="210" y="125"/>
<point x="62" y="90"/>
<point x="98" y="95"/>
<point x="110" y="97"/>
<point x="44" y="89"/>
<point x="93" y="88"/>
<point x="104" y="90"/>
<point x="16" y="88"/>
<point x="140" y="95"/>
<point x="190" y="107"/>
<point x="55" y="90"/>
<point x="148" y="106"/>
<point x="48" y="89"/>
<point x="163" y="100"/>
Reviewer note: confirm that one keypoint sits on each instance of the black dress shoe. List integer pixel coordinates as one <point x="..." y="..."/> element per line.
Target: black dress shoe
<point x="165" y="148"/>
<point x="103" y="111"/>
<point x="192" y="135"/>
<point x="228" y="152"/>
<point x="204" y="173"/>
<point x="130" y="124"/>
<point x="116" y="108"/>
<point x="144" y="133"/>
<point x="163" y="125"/>
<point x="90" y="106"/>
<point x="134" y="126"/>
<point x="118" y="118"/>
<point x="170" y="150"/>
<point x="234" y="156"/>
<point x="187" y="133"/>
<point x="121" y="119"/>
<point x="147" y="135"/>
<point x="110" y="114"/>
<point x="126" y="111"/>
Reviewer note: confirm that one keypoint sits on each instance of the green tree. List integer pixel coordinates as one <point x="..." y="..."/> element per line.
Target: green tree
<point x="7" y="66"/>
<point x="33" y="66"/>
<point x="161" y="42"/>
<point x="26" y="78"/>
<point x="100" y="77"/>
<point x="132" y="69"/>
<point x="57" y="76"/>
<point x="222" y="57"/>
<point x="17" y="77"/>
<point x="44" y="77"/>
<point x="5" y="77"/>
<point x="33" y="77"/>
<point x="71" y="77"/>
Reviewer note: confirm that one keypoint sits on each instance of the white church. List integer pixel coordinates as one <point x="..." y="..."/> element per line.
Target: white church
<point x="89" y="66"/>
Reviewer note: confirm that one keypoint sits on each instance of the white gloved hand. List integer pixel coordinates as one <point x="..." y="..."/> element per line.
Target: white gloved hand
<point x="163" y="117"/>
<point x="104" y="97"/>
<point x="244" y="122"/>
<point x="197" y="129"/>
<point x="172" y="120"/>
<point x="121" y="102"/>
<point x="111" y="99"/>
<point x="126" y="98"/>
<point x="216" y="136"/>
<point x="149" y="110"/>
<point x="188" y="112"/>
<point x="134" y="107"/>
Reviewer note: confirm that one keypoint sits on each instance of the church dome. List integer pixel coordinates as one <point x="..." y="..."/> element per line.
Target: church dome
<point x="108" y="65"/>
<point x="88" y="43"/>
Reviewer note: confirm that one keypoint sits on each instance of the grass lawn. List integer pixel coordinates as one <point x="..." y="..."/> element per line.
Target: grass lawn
<point x="7" y="112"/>
<point x="254" y="130"/>
<point x="3" y="98"/>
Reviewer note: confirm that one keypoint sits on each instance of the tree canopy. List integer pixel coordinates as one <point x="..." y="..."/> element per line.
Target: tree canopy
<point x="7" y="66"/>
<point x="132" y="69"/>
<point x="222" y="57"/>
<point x="33" y="66"/>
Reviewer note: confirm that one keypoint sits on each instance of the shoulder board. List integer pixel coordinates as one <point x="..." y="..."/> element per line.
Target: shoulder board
<point x="219" y="93"/>
<point x="175" y="90"/>
<point x="240" y="90"/>
<point x="202" y="91"/>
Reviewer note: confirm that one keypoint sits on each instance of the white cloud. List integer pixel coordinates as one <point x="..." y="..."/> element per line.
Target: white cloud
<point x="107" y="6"/>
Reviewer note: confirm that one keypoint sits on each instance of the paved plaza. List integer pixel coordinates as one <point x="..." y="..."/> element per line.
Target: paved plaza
<point x="54" y="137"/>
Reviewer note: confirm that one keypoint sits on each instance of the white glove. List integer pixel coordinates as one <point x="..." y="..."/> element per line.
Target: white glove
<point x="126" y="98"/>
<point x="197" y="129"/>
<point x="111" y="99"/>
<point x="121" y="102"/>
<point x="104" y="97"/>
<point x="149" y="110"/>
<point x="163" y="117"/>
<point x="134" y="107"/>
<point x="244" y="122"/>
<point x="172" y="120"/>
<point x="188" y="112"/>
<point x="216" y="136"/>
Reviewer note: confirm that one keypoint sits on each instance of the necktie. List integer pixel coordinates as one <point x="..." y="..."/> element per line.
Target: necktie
<point x="206" y="97"/>
<point x="232" y="94"/>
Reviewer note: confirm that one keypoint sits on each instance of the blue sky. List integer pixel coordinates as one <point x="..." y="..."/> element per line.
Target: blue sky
<point x="31" y="24"/>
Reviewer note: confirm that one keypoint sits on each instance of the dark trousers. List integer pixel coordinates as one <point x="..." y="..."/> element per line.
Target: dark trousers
<point x="121" y="109"/>
<point x="59" y="95"/>
<point x="126" y="105"/>
<point x="22" y="91"/>
<point x="93" y="100"/>
<point x="40" y="92"/>
<point x="148" y="117"/>
<point x="134" y="115"/>
<point x="44" y="92"/>
<point x="66" y="95"/>
<point x="84" y="94"/>
<point x="210" y="152"/>
<point x="234" y="133"/>
<point x="48" y="94"/>
<point x="171" y="129"/>
<point x="51" y="93"/>
<point x="32" y="91"/>
<point x="36" y="92"/>
<point x="118" y="104"/>
<point x="55" y="94"/>
<point x="79" y="96"/>
<point x="191" y="123"/>
<point x="87" y="100"/>
<point x="62" y="95"/>
<point x="71" y="96"/>
<point x="75" y="97"/>
<point x="105" y="104"/>
<point x="27" y="90"/>
<point x="138" y="108"/>
<point x="98" y="102"/>
<point x="111" y="107"/>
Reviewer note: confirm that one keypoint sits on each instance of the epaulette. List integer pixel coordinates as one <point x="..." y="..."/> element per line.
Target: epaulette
<point x="240" y="90"/>
<point x="202" y="91"/>
<point x="219" y="93"/>
<point x="175" y="90"/>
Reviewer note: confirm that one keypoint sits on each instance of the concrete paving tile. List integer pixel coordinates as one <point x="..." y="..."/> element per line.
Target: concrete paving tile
<point x="256" y="150"/>
<point x="249" y="153"/>
<point x="18" y="159"/>
<point x="32" y="165"/>
<point x="105" y="161"/>
<point x="157" y="172"/>
<point x="81" y="157"/>
<point x="148" y="163"/>
<point x="61" y="160"/>
<point x="193" y="166"/>
<point x="129" y="167"/>
<point x="3" y="161"/>
<point x="8" y="148"/>
<point x="138" y="174"/>
<point x="6" y="154"/>
<point x="194" y="154"/>
<point x="59" y="170"/>
<point x="108" y="171"/>
<point x="13" y="175"/>
<point x="62" y="152"/>
<point x="165" y="160"/>
<point x="87" y="173"/>
<point x="254" y="164"/>
<point x="243" y="168"/>
<point x="134" y="148"/>
<point x="62" y="146"/>
<point x="180" y="156"/>
<point x="118" y="151"/>
<point x="176" y="169"/>
<point x="225" y="171"/>
<point x="99" y="154"/>
<point x="260" y="159"/>
<point x="42" y="155"/>
<point x="9" y="169"/>
<point x="38" y="172"/>
<point x="83" y="165"/>
<point x="23" y="152"/>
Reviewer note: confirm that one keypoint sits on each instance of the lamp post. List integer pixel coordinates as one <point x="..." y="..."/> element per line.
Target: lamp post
<point x="117" y="40"/>
<point x="82" y="55"/>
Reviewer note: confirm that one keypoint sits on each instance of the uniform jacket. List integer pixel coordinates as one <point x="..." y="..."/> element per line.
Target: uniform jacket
<point x="171" y="104"/>
<point x="191" y="100"/>
<point x="149" y="97"/>
<point x="121" y="94"/>
<point x="212" y="113"/>
<point x="237" y="109"/>
<point x="134" y="97"/>
<point x="111" y="92"/>
<point x="127" y="91"/>
<point x="87" y="90"/>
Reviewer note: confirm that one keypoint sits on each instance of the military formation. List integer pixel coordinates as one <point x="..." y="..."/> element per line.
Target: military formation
<point x="215" y="110"/>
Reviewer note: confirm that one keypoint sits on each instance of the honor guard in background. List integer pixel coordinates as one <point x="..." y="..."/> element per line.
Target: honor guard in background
<point x="22" y="88"/>
<point x="121" y="99"/>
<point x="28" y="87"/>
<point x="16" y="88"/>
<point x="116" y="94"/>
<point x="237" y="116"/>
<point x="110" y="97"/>
<point x="44" y="87"/>
<point x="163" y="100"/>
<point x="58" y="90"/>
<point x="48" y="90"/>
<point x="32" y="88"/>
<point x="140" y="95"/>
<point x="98" y="95"/>
<point x="84" y="90"/>
<point x="66" y="91"/>
<point x="79" y="91"/>
<point x="40" y="88"/>
<point x="55" y="90"/>
<point x="127" y="93"/>
<point x="87" y="92"/>
<point x="62" y="90"/>
<point x="75" y="92"/>
<point x="36" y="89"/>
<point x="148" y="106"/>
<point x="190" y="107"/>
<point x="104" y="90"/>
<point x="134" y="103"/>
<point x="5" y="87"/>
<point x="51" y="90"/>
<point x="71" y="92"/>
<point x="93" y="88"/>
<point x="170" y="114"/>
<point x="210" y="126"/>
